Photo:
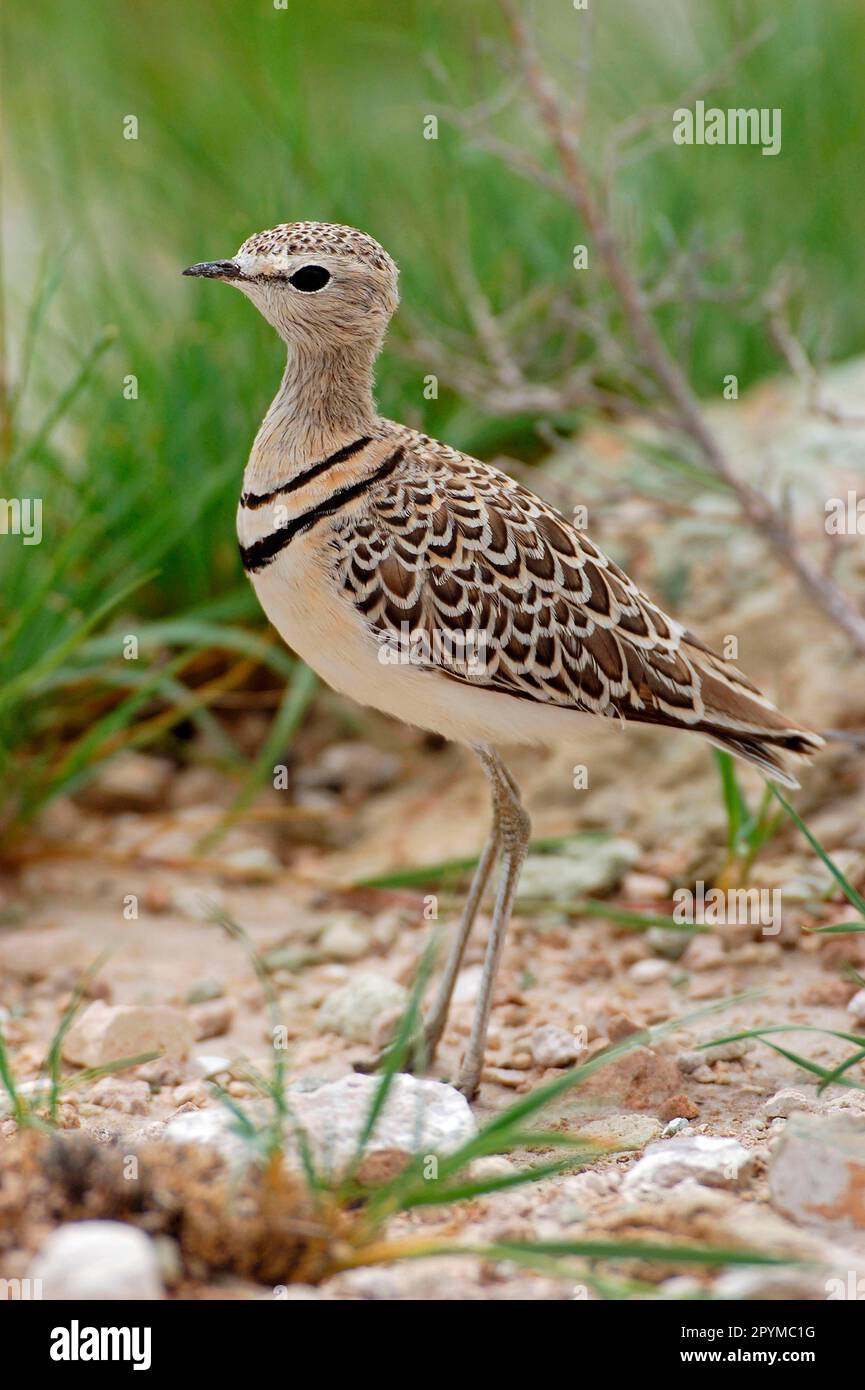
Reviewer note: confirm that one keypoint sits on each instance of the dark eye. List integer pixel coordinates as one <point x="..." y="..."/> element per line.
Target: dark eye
<point x="309" y="278"/>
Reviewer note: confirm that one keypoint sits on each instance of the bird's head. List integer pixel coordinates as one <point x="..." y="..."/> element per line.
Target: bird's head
<point x="317" y="283"/>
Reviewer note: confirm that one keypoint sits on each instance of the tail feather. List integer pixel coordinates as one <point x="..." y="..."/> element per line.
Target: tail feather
<point x="740" y="720"/>
<point x="736" y="717"/>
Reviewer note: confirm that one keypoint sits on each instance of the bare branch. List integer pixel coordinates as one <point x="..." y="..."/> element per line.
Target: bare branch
<point x="756" y="509"/>
<point x="776" y="304"/>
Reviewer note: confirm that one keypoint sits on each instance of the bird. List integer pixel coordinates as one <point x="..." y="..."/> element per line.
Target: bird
<point x="432" y="586"/>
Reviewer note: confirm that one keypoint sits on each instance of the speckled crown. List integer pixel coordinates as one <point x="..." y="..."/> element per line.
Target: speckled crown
<point x="330" y="238"/>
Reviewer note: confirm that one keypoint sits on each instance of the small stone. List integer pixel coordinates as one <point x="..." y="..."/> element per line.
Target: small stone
<point x="106" y="1032"/>
<point x="639" y="1080"/>
<point x="786" y="1102"/>
<point x="676" y="1126"/>
<point x="584" y="867"/>
<point x="130" y="782"/>
<point x="817" y="1171"/>
<point x="162" y="1071"/>
<point x="468" y="984"/>
<point x="639" y="887"/>
<point x="98" y="1260"/>
<point x="649" y="972"/>
<point x="254" y="864"/>
<point x="203" y="991"/>
<point x="621" y="1026"/>
<point x="621" y="1131"/>
<point x="191" y="1093"/>
<point x="692" y="1061"/>
<point x="667" y="941"/>
<point x="506" y="1076"/>
<point x="344" y="939"/>
<point x="707" y="1159"/>
<point x="355" y="1010"/>
<point x="678" y="1107"/>
<point x="116" y="1093"/>
<point x="210" y="1064"/>
<point x="554" y="1047"/>
<point x="713" y="984"/>
<point x="773" y="1285"/>
<point x="704" y="953"/>
<point x="856" y="1007"/>
<point x="34" y="954"/>
<point x="213" y="1019"/>
<point x="829" y="993"/>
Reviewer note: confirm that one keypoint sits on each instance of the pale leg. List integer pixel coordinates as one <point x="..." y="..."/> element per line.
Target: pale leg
<point x="435" y="1024"/>
<point x="513" y="825"/>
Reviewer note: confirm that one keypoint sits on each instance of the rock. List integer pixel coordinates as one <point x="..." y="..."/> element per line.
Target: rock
<point x="704" y="953"/>
<point x="638" y="1080"/>
<point x="834" y="993"/>
<point x="678" y="1107"/>
<point x="667" y="941"/>
<point x="130" y="782"/>
<point x="203" y="991"/>
<point x="211" y="1020"/>
<point x="214" y="1128"/>
<point x="418" y="1117"/>
<point x="621" y="1026"/>
<point x="253" y="864"/>
<point x="786" y="1102"/>
<point x="356" y="1010"/>
<point x="639" y="887"/>
<point x="703" y="1158"/>
<point x="344" y="939"/>
<point x="676" y="1126"/>
<point x="554" y="1047"/>
<point x="817" y="1171"/>
<point x="586" y="866"/>
<point x="468" y="984"/>
<point x="648" y="972"/>
<point x="621" y="1131"/>
<point x="856" y="1007"/>
<point x="209" y="1064"/>
<point x="692" y="1061"/>
<point x="353" y="767"/>
<point x="106" y="1032"/>
<point x="121" y="1093"/>
<point x="98" y="1260"/>
<point x="36" y="954"/>
<point x="775" y="1285"/>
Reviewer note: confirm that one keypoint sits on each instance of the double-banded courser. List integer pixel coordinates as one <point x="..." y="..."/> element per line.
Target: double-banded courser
<point x="435" y="588"/>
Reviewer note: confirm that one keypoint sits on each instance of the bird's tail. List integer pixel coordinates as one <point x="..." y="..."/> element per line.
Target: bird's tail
<point x="739" y="719"/>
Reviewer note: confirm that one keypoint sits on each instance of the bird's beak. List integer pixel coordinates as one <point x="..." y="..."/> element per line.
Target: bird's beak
<point x="216" y="270"/>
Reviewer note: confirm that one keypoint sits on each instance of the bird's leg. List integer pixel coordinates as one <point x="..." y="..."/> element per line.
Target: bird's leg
<point x="438" y="1015"/>
<point x="514" y="826"/>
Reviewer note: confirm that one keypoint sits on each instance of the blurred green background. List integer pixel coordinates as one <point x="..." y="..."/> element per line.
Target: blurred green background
<point x="250" y="115"/>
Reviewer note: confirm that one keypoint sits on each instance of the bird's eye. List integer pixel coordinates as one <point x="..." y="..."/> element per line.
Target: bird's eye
<point x="309" y="278"/>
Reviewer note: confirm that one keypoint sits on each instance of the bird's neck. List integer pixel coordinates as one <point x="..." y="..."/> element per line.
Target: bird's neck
<point x="324" y="401"/>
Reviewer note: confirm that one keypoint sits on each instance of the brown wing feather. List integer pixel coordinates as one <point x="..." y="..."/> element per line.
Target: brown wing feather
<point x="492" y="585"/>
